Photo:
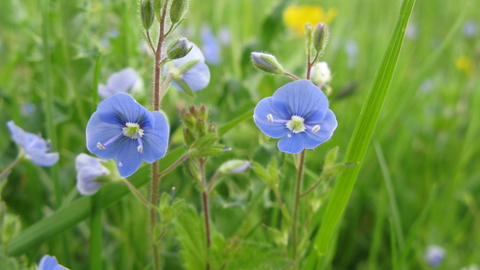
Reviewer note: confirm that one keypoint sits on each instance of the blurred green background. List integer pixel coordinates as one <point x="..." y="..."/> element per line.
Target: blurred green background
<point x="420" y="178"/>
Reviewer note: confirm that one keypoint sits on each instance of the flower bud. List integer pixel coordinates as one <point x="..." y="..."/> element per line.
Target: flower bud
<point x="157" y="7"/>
<point x="234" y="166"/>
<point x="320" y="36"/>
<point x="321" y="74"/>
<point x="201" y="127"/>
<point x="179" y="48"/>
<point x="266" y="62"/>
<point x="146" y="13"/>
<point x="177" y="10"/>
<point x="203" y="112"/>
<point x="188" y="119"/>
<point x="188" y="137"/>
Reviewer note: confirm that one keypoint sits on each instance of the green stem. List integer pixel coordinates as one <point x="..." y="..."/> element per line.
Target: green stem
<point x="95" y="252"/>
<point x="156" y="105"/>
<point x="137" y="193"/>
<point x="206" y="209"/>
<point x="296" y="208"/>
<point x="48" y="101"/>
<point x="9" y="167"/>
<point x="312" y="188"/>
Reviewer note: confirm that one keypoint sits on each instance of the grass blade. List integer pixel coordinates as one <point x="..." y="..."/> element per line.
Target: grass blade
<point x="363" y="131"/>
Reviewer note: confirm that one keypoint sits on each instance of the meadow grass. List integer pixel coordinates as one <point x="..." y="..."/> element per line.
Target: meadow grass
<point x="416" y="186"/>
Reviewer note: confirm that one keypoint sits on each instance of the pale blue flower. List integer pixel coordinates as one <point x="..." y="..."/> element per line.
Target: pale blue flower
<point x="210" y="46"/>
<point x="88" y="168"/>
<point x="34" y="146"/>
<point x="434" y="255"/>
<point x="470" y="28"/>
<point x="197" y="77"/>
<point x="122" y="81"/>
<point x="124" y="130"/>
<point x="50" y="263"/>
<point x="298" y="115"/>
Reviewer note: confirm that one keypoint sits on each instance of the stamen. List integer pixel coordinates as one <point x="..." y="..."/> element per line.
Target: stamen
<point x="270" y="118"/>
<point x="104" y="145"/>
<point x="140" y="145"/>
<point x="101" y="146"/>
<point x="316" y="128"/>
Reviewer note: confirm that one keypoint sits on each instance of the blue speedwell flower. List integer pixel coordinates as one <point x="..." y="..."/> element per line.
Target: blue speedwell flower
<point x="210" y="46"/>
<point x="88" y="168"/>
<point x="434" y="255"/>
<point x="123" y="129"/>
<point x="34" y="146"/>
<point x="298" y="114"/>
<point x="197" y="77"/>
<point x="50" y="263"/>
<point x="122" y="81"/>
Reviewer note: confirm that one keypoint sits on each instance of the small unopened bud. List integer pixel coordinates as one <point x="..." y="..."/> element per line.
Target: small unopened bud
<point x="146" y="13"/>
<point x="321" y="74"/>
<point x="266" y="62"/>
<point x="179" y="48"/>
<point x="157" y="7"/>
<point x="203" y="112"/>
<point x="201" y="126"/>
<point x="320" y="37"/>
<point x="177" y="10"/>
<point x="188" y="119"/>
<point x="188" y="137"/>
<point x="235" y="166"/>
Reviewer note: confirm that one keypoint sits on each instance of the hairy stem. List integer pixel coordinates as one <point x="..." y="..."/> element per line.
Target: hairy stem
<point x="291" y="75"/>
<point x="205" y="207"/>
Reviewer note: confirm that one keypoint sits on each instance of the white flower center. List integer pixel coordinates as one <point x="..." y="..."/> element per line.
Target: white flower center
<point x="295" y="124"/>
<point x="132" y="130"/>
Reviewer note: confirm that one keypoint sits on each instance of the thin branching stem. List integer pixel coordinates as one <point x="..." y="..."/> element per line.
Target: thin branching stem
<point x="15" y="162"/>
<point x="312" y="188"/>
<point x="291" y="75"/>
<point x="150" y="43"/>
<point x="137" y="192"/>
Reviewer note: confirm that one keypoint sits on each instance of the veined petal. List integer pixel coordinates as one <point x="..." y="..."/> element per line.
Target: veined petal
<point x="291" y="144"/>
<point x="327" y="126"/>
<point x="128" y="159"/>
<point x="301" y="98"/>
<point x="275" y="129"/>
<point x="100" y="132"/>
<point x="35" y="142"/>
<point x="155" y="141"/>
<point x="197" y="77"/>
<point x="122" y="108"/>
<point x="85" y="183"/>
<point x="50" y="263"/>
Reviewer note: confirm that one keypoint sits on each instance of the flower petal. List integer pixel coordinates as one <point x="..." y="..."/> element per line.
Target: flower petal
<point x="104" y="91"/>
<point x="275" y="129"/>
<point x="292" y="144"/>
<point x="301" y="98"/>
<point x="197" y="77"/>
<point x="41" y="158"/>
<point x="128" y="158"/>
<point x="84" y="160"/>
<point x="85" y="183"/>
<point x="99" y="131"/>
<point x="155" y="141"/>
<point x="18" y="135"/>
<point x="122" y="108"/>
<point x="327" y="126"/>
<point x="194" y="54"/>
<point x="123" y="80"/>
<point x="50" y="263"/>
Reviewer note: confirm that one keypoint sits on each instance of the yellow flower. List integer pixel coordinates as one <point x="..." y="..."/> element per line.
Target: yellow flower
<point x="296" y="16"/>
<point x="463" y="63"/>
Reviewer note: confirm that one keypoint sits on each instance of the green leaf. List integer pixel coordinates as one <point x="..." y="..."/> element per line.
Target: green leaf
<point x="79" y="210"/>
<point x="363" y="131"/>
<point x="185" y="87"/>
